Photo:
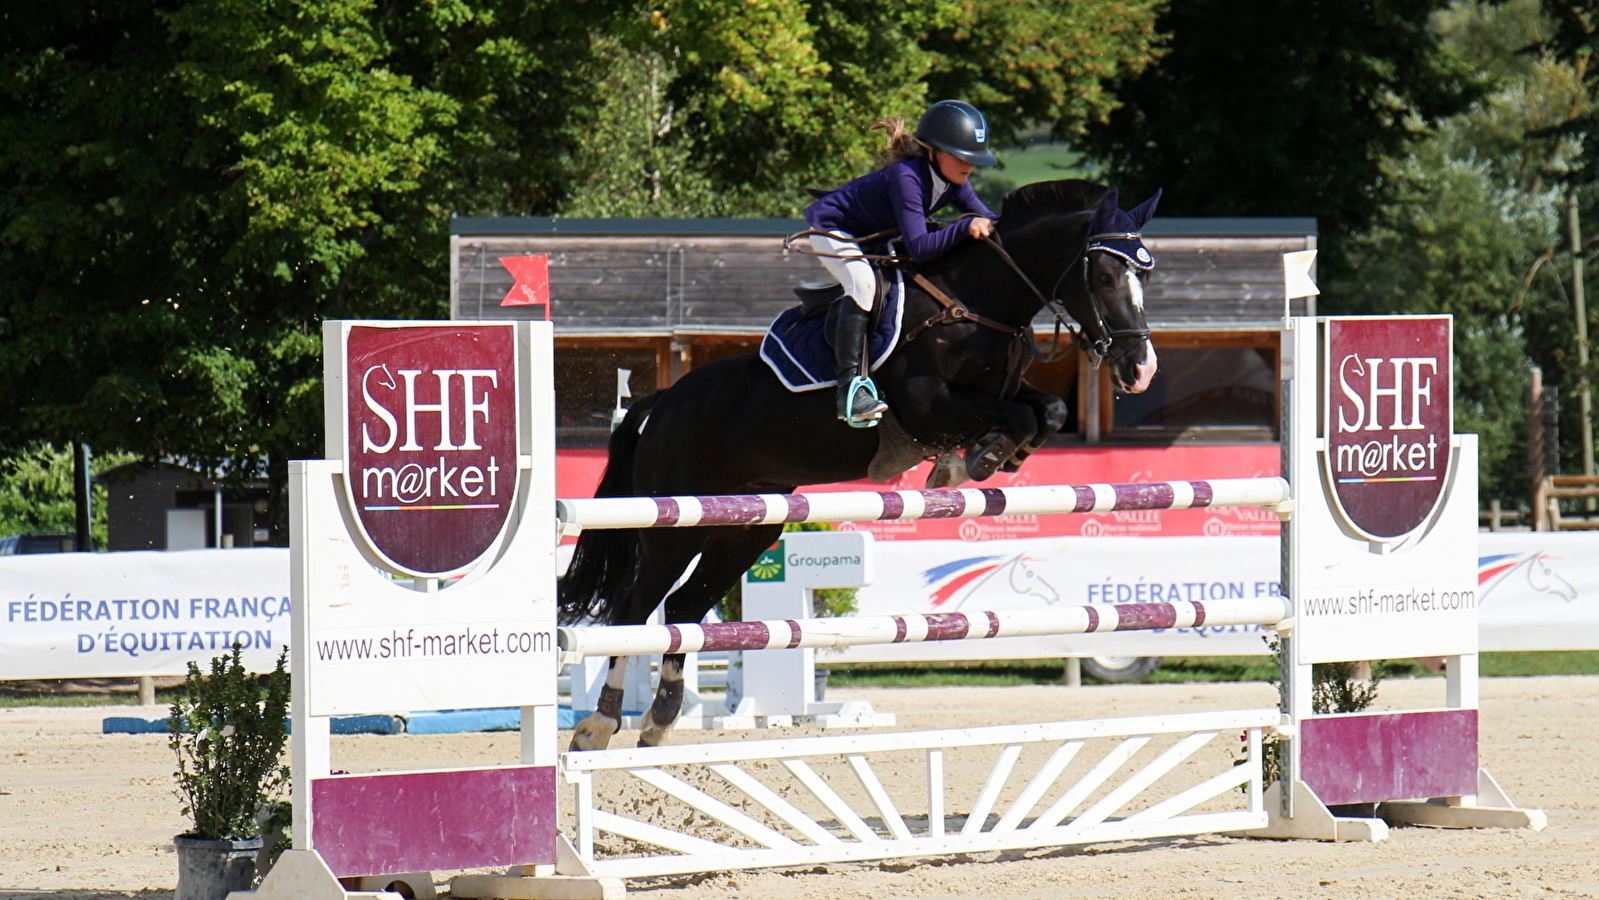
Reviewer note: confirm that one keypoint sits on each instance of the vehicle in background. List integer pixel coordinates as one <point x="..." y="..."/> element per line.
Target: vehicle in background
<point x="38" y="542"/>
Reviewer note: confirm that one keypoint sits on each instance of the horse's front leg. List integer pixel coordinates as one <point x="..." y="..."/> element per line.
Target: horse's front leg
<point x="594" y="732"/>
<point x="1051" y="412"/>
<point x="668" y="705"/>
<point x="955" y="416"/>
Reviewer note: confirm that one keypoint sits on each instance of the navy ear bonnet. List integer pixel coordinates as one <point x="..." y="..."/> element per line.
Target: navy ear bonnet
<point x="1114" y="231"/>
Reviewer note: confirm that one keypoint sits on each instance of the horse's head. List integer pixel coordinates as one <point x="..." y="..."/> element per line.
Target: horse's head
<point x="1097" y="263"/>
<point x="1111" y="310"/>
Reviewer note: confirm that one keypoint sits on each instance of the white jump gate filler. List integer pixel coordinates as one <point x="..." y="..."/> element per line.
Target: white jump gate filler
<point x="424" y="578"/>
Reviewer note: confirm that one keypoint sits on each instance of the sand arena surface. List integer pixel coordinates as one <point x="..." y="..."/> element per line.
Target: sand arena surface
<point x="85" y="815"/>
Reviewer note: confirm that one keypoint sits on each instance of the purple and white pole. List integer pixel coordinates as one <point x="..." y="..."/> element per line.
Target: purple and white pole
<point x="789" y="634"/>
<point x="875" y="506"/>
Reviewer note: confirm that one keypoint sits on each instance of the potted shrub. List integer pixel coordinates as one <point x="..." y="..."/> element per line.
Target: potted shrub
<point x="229" y="731"/>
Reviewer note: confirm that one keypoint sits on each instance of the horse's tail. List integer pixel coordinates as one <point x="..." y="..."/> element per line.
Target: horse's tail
<point x="605" y="562"/>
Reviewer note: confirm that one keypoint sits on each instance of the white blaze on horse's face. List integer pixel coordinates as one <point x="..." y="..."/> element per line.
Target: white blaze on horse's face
<point x="1146" y="369"/>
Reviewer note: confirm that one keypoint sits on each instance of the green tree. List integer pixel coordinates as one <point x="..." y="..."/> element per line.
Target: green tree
<point x="731" y="108"/>
<point x="37" y="493"/>
<point x="189" y="190"/>
<point x="1473" y="223"/>
<point x="1281" y="108"/>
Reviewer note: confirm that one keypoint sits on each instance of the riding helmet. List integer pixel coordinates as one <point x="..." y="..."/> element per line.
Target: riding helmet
<point x="957" y="128"/>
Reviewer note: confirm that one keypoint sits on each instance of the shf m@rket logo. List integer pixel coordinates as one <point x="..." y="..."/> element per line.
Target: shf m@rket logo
<point x="1388" y="420"/>
<point x="431" y="465"/>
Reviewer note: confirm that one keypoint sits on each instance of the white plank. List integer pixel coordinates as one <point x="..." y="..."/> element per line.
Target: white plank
<point x="1142" y="779"/>
<point x="978" y="817"/>
<point x="1185" y="800"/>
<point x="830" y="799"/>
<point x="1096" y="776"/>
<point x="843" y="745"/>
<point x="880" y="798"/>
<point x="1041" y="783"/>
<point x="770" y="799"/>
<point x="654" y="834"/>
<point x="713" y="807"/>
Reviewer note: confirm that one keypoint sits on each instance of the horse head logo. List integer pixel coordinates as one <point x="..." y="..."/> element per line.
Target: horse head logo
<point x="1540" y="576"/>
<point x="953" y="583"/>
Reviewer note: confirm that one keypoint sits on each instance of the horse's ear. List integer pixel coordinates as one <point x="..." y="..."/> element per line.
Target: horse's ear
<point x="1145" y="211"/>
<point x="1105" y="214"/>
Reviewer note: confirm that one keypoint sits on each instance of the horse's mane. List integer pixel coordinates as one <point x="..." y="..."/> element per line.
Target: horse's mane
<point x="1069" y="195"/>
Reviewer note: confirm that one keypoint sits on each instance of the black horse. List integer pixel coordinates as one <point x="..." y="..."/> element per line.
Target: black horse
<point x="730" y="427"/>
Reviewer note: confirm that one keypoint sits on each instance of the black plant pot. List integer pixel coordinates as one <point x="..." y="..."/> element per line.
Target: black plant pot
<point x="209" y="870"/>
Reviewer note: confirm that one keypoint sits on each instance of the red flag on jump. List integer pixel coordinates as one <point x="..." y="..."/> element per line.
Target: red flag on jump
<point x="532" y="287"/>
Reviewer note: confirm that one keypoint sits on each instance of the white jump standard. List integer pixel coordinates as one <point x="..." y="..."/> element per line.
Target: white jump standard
<point x="1378" y="563"/>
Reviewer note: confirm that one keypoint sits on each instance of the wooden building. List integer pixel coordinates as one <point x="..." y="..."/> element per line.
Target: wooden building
<point x="660" y="296"/>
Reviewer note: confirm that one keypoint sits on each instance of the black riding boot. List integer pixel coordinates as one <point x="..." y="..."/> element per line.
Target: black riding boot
<point x="857" y="400"/>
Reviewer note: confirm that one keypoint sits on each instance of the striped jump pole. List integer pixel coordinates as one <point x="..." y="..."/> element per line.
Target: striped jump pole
<point x="789" y="634"/>
<point x="962" y="503"/>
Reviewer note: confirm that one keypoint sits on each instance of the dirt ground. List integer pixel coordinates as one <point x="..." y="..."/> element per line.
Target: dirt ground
<point x="86" y="815"/>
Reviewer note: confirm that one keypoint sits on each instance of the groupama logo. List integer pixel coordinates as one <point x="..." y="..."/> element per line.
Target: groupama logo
<point x="1388" y="420"/>
<point x="430" y="437"/>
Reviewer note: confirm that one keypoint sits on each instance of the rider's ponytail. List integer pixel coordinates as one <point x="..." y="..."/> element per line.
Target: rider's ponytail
<point x="901" y="144"/>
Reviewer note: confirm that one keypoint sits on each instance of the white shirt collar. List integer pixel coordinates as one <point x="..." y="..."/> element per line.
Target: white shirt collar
<point x="939" y="185"/>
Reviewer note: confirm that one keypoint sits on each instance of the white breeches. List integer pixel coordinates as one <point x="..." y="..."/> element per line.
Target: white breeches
<point x="854" y="273"/>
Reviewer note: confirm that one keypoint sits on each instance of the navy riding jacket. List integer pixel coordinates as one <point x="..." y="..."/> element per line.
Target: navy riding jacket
<point x="897" y="196"/>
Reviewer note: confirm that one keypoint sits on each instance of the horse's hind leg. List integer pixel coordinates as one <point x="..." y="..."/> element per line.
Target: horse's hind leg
<point x="724" y="558"/>
<point x="594" y="732"/>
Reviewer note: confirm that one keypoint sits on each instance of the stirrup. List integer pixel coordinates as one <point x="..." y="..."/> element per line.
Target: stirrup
<point x="871" y="417"/>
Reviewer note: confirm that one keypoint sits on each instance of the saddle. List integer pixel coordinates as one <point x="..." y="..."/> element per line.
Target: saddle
<point x="820" y="298"/>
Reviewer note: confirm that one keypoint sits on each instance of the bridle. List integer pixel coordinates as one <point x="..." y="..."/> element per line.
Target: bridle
<point x="1098" y="348"/>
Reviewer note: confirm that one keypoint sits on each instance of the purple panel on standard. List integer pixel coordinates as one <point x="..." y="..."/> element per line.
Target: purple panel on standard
<point x="1393" y="756"/>
<point x="736" y="636"/>
<point x="943" y="504"/>
<point x="1145" y="616"/>
<point x="738" y="509"/>
<point x="426" y="821"/>
<point x="1155" y="495"/>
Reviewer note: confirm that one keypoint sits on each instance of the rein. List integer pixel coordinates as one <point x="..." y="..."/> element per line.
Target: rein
<point x="954" y="311"/>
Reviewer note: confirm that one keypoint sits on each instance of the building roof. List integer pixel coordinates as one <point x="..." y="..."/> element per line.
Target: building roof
<point x="651" y="277"/>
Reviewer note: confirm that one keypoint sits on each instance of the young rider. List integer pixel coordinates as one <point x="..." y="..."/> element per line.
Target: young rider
<point x="926" y="172"/>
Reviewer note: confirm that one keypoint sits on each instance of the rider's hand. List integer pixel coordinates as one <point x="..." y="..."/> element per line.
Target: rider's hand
<point x="979" y="227"/>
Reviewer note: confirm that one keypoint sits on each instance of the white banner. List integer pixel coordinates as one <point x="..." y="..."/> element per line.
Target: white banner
<point x="78" y="615"/>
<point x="1537" y="591"/>
<point x="113" y="615"/>
<point x="1038" y="573"/>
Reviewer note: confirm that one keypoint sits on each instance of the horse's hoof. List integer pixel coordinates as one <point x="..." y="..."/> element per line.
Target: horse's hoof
<point x="982" y="463"/>
<point x="949" y="471"/>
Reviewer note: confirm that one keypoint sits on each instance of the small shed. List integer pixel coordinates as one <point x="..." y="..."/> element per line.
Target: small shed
<point x="170" y="506"/>
<point x="660" y="296"/>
